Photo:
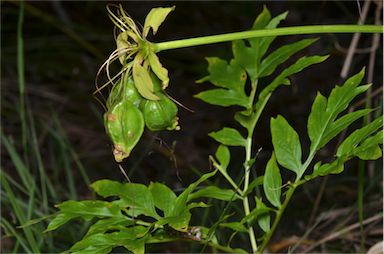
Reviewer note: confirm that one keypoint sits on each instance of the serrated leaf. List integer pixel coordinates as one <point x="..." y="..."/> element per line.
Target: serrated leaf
<point x="223" y="97"/>
<point x="228" y="136"/>
<point x="272" y="182"/>
<point x="280" y="55"/>
<point x="216" y="193"/>
<point x="155" y="18"/>
<point x="235" y="226"/>
<point x="143" y="82"/>
<point x="348" y="147"/>
<point x="132" y="195"/>
<point x="286" y="144"/>
<point x="163" y="197"/>
<point x="263" y="220"/>
<point x="158" y="69"/>
<point x="223" y="156"/>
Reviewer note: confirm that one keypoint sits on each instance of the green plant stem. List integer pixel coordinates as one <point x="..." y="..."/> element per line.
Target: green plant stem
<point x="248" y="151"/>
<point x="317" y="29"/>
<point x="276" y="221"/>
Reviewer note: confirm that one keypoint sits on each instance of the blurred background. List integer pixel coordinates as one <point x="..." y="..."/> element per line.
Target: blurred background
<point x="53" y="143"/>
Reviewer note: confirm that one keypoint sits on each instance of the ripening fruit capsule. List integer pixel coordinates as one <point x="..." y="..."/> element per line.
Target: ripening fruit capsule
<point x="160" y="114"/>
<point x="124" y="124"/>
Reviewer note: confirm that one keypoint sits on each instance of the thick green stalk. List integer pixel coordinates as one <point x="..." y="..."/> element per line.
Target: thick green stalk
<point x="317" y="29"/>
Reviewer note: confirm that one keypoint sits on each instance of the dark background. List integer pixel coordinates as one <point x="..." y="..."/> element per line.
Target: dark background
<point x="66" y="42"/>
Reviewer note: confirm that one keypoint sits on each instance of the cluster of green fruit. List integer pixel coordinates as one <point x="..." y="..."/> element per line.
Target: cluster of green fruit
<point x="128" y="112"/>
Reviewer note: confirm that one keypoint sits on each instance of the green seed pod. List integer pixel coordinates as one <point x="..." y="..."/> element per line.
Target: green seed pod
<point x="161" y="114"/>
<point x="124" y="124"/>
<point x="124" y="89"/>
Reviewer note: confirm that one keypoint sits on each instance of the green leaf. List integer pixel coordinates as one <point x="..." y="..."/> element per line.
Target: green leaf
<point x="155" y="17"/>
<point x="231" y="77"/>
<point x="264" y="220"/>
<point x="131" y="238"/>
<point x="113" y="223"/>
<point x="348" y="147"/>
<point x="223" y="97"/>
<point x="158" y="69"/>
<point x="255" y="214"/>
<point x="229" y="137"/>
<point x="286" y="144"/>
<point x="222" y="74"/>
<point x="163" y="197"/>
<point x="340" y="124"/>
<point x="262" y="44"/>
<point x="272" y="182"/>
<point x="255" y="182"/>
<point x="341" y="96"/>
<point x="322" y="126"/>
<point x="86" y="209"/>
<point x="317" y="119"/>
<point x="215" y="192"/>
<point x="235" y="226"/>
<point x="281" y="79"/>
<point x="335" y="167"/>
<point x="223" y="156"/>
<point x="279" y="56"/>
<point x="133" y="195"/>
<point x="143" y="82"/>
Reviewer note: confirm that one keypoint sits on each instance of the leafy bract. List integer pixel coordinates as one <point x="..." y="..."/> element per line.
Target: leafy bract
<point x="228" y="136"/>
<point x="143" y="82"/>
<point x="235" y="226"/>
<point x="272" y="182"/>
<point x="155" y="17"/>
<point x="158" y="69"/>
<point x="286" y="144"/>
